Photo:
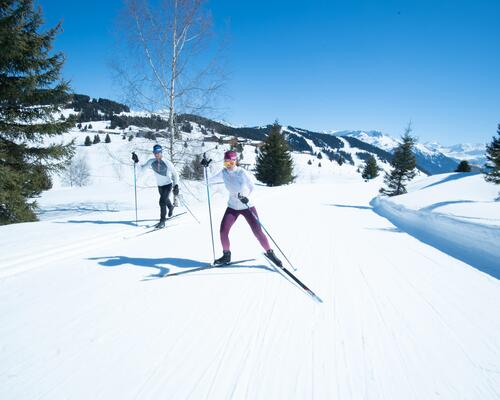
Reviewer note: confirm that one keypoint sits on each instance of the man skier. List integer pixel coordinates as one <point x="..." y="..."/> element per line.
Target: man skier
<point x="166" y="176"/>
<point x="239" y="184"/>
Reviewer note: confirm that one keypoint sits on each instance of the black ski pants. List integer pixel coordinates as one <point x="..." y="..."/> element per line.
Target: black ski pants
<point x="165" y="200"/>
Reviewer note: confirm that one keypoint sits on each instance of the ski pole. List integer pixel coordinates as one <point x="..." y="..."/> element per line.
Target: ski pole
<point x="135" y="189"/>
<point x="268" y="234"/>
<point x="206" y="162"/>
<point x="183" y="202"/>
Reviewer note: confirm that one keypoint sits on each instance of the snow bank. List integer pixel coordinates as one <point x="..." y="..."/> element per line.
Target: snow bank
<point x="455" y="213"/>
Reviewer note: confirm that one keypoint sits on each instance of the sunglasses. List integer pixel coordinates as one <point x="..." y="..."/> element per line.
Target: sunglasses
<point x="228" y="163"/>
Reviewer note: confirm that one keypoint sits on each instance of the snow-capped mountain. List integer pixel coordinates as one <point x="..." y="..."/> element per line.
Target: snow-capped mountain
<point x="474" y="153"/>
<point x="431" y="157"/>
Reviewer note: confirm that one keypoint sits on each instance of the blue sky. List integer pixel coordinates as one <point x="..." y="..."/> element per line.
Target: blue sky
<point x="329" y="65"/>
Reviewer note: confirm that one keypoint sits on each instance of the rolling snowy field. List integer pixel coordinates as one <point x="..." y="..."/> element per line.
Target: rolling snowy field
<point x="88" y="311"/>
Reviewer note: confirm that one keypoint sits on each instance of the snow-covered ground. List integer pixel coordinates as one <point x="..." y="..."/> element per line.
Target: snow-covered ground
<point x="456" y="213"/>
<point x="87" y="310"/>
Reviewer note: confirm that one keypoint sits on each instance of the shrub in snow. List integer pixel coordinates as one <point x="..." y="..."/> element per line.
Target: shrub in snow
<point x="463" y="166"/>
<point x="193" y="170"/>
<point x="88" y="142"/>
<point x="107" y="139"/>
<point x="77" y="172"/>
<point x="97" y="139"/>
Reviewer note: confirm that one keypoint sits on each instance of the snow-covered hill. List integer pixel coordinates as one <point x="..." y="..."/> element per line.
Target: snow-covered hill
<point x="88" y="310"/>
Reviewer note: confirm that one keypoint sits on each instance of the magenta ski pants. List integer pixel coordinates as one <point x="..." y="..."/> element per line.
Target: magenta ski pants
<point x="230" y="217"/>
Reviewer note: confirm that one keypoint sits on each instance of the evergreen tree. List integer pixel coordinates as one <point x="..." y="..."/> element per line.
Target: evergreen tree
<point x="403" y="166"/>
<point x="274" y="165"/>
<point x="88" y="142"/>
<point x="492" y="173"/>
<point x="371" y="168"/>
<point x="320" y="156"/>
<point x="309" y="162"/>
<point x="90" y="126"/>
<point x="463" y="166"/>
<point x="108" y="138"/>
<point x="31" y="94"/>
<point x="97" y="139"/>
<point x="319" y="164"/>
<point x="79" y="126"/>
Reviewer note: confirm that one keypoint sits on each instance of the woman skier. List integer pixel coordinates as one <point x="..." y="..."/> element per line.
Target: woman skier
<point x="239" y="184"/>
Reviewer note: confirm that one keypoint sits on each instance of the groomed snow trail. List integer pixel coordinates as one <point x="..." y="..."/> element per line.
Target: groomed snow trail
<point x="400" y="319"/>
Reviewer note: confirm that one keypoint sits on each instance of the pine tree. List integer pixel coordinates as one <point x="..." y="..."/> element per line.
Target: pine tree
<point x="463" y="166"/>
<point x="97" y="139"/>
<point x="274" y="165"/>
<point x="492" y="172"/>
<point x="371" y="168"/>
<point x="88" y="142"/>
<point x="31" y="95"/>
<point x="403" y="166"/>
<point x="108" y="138"/>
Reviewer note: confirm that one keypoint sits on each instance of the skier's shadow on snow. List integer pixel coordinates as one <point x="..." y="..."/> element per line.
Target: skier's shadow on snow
<point x="116" y="261"/>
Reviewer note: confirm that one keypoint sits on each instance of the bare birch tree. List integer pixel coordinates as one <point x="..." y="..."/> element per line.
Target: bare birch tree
<point x="166" y="66"/>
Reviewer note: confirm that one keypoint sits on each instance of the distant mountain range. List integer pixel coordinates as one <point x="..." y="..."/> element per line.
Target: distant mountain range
<point x="433" y="157"/>
<point x="343" y="146"/>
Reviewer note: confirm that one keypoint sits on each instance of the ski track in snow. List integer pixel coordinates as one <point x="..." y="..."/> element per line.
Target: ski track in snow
<point x="399" y="319"/>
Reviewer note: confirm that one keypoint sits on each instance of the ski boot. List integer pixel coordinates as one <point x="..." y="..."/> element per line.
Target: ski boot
<point x="160" y="224"/>
<point x="270" y="254"/>
<point x="170" y="211"/>
<point x="226" y="258"/>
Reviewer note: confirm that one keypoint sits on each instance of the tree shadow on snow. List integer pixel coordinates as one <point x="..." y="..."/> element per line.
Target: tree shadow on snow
<point x="444" y="203"/>
<point x="163" y="271"/>
<point x="349" y="206"/>
<point x="454" y="177"/>
<point x="390" y="229"/>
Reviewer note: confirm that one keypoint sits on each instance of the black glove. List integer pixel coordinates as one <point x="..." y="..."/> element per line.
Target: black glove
<point x="176" y="190"/>
<point x="135" y="158"/>
<point x="205" y="162"/>
<point x="243" y="199"/>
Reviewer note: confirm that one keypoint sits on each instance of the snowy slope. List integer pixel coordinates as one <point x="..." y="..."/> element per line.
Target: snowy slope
<point x="87" y="310"/>
<point x="456" y="213"/>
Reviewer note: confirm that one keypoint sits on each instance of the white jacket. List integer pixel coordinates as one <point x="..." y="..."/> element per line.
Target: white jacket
<point x="236" y="181"/>
<point x="165" y="172"/>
